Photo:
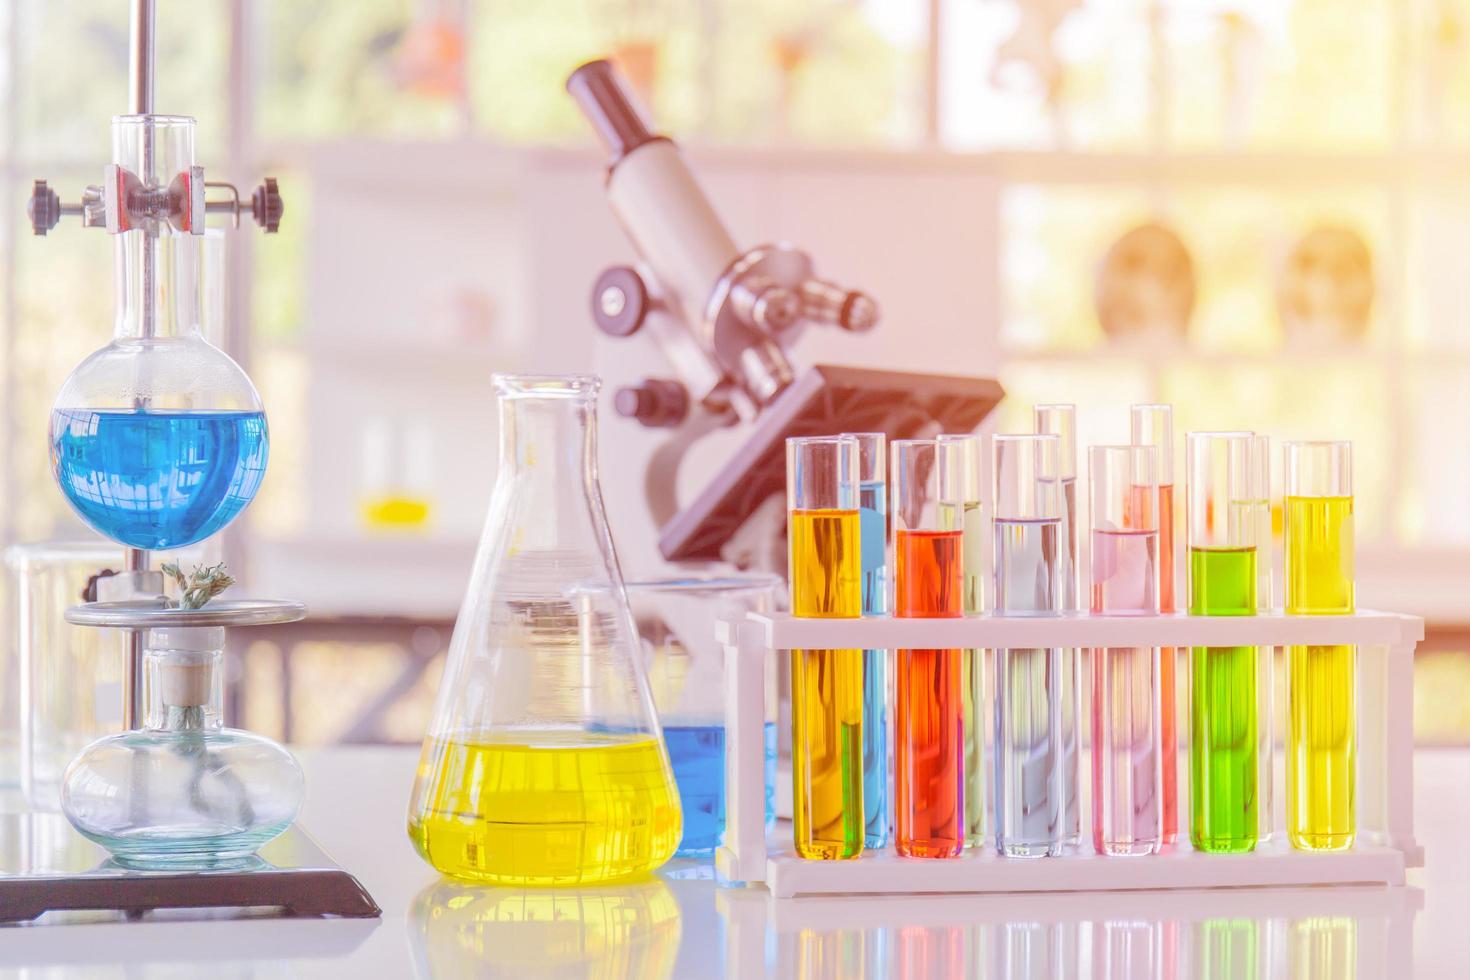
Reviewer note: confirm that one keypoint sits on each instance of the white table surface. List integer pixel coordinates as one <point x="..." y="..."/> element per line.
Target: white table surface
<point x="681" y="924"/>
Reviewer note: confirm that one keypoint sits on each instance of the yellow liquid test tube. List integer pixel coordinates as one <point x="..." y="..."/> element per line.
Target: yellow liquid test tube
<point x="1321" y="752"/>
<point x="826" y="685"/>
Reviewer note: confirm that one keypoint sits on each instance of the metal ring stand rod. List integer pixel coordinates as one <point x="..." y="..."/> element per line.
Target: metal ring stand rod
<point x="140" y="102"/>
<point x="291" y="873"/>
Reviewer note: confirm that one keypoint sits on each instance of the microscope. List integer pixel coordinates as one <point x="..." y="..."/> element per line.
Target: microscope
<point x="726" y="321"/>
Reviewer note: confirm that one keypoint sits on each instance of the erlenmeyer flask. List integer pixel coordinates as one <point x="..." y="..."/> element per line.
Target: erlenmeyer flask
<point x="544" y="764"/>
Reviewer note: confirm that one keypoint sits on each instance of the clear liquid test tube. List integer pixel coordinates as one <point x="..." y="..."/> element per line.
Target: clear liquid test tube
<point x="1027" y="563"/>
<point x="1125" y="706"/>
<point x="1061" y="421"/>
<point x="1265" y="602"/>
<point x="1321" y="748"/>
<point x="826" y="685"/>
<point x="873" y="535"/>
<point x="969" y="516"/>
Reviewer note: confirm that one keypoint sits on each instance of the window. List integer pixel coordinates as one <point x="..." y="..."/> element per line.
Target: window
<point x="1275" y="194"/>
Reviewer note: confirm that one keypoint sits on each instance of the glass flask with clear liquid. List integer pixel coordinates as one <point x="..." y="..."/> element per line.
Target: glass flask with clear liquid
<point x="183" y="790"/>
<point x="545" y="763"/>
<point x="158" y="439"/>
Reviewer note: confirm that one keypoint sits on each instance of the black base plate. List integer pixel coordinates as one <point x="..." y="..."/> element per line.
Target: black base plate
<point x="46" y="866"/>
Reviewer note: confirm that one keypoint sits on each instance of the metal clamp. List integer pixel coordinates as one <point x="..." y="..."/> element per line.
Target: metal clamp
<point x="122" y="203"/>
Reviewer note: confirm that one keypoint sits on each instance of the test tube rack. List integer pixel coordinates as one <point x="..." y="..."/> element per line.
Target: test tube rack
<point x="1385" y="846"/>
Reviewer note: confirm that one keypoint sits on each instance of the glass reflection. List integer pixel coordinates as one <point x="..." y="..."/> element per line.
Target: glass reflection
<point x="615" y="931"/>
<point x="1223" y="934"/>
<point x="1324" y="946"/>
<point x="1126" y="949"/>
<point x="930" y="952"/>
<point x="838" y="953"/>
<point x="1025" y="950"/>
<point x="1226" y="948"/>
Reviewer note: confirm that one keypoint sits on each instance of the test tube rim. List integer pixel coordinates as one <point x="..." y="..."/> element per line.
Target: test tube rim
<point x="509" y="384"/>
<point x="1166" y="446"/>
<point x="1067" y="468"/>
<point x="1152" y="453"/>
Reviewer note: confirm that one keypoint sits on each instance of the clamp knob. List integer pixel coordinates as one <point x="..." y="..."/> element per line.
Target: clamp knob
<point x="657" y="403"/>
<point x="619" y="301"/>
<point x="266" y="206"/>
<point x="44" y="208"/>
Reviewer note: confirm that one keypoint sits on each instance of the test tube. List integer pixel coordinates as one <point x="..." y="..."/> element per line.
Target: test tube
<point x="928" y="582"/>
<point x="1153" y="425"/>
<point x="1266" y="671"/>
<point x="1125" y="705"/>
<point x="873" y="531"/>
<point x="969" y="516"/>
<point x="826" y="685"/>
<point x="1225" y="682"/>
<point x="1027" y="566"/>
<point x="1321" y="749"/>
<point x="1061" y="421"/>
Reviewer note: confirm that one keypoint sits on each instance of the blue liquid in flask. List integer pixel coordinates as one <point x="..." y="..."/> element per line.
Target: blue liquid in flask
<point x="158" y="479"/>
<point x="697" y="753"/>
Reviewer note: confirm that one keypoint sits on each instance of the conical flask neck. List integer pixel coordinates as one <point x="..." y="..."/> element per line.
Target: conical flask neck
<point x="548" y="443"/>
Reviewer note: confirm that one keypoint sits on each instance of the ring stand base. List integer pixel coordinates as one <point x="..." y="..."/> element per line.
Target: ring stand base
<point x="46" y="866"/>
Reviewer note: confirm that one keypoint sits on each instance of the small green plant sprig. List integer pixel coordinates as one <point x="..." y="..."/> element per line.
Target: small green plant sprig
<point x="200" y="585"/>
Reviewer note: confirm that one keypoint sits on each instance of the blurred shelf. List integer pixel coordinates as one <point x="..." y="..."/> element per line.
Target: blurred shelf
<point x="1428" y="582"/>
<point x="782" y="631"/>
<point x="484" y="164"/>
<point x="447" y="361"/>
<point x="452" y="166"/>
<point x="382" y="575"/>
<point x="1107" y="357"/>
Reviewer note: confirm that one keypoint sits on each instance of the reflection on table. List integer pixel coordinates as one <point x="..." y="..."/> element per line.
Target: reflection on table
<point x="1238" y="933"/>
<point x="613" y="931"/>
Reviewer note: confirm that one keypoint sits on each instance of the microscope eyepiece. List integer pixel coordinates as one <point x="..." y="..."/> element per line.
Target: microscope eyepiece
<point x="610" y="108"/>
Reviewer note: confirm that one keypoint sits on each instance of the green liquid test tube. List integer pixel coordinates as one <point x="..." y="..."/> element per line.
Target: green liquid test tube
<point x="1224" y="794"/>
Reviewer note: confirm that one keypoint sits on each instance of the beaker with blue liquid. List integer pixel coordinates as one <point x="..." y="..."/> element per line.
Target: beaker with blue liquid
<point x="685" y="664"/>
<point x="158" y="440"/>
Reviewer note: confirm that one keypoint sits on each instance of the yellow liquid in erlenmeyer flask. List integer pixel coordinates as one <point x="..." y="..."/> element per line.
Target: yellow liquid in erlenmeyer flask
<point x="545" y="807"/>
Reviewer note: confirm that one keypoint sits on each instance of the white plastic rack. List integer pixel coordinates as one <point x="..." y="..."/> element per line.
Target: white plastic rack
<point x="1385" y="786"/>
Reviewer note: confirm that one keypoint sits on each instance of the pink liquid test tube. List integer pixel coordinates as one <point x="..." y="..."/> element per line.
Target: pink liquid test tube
<point x="1153" y="425"/>
<point x="1126" y="811"/>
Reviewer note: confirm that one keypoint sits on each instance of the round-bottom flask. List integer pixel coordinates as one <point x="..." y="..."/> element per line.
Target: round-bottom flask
<point x="158" y="440"/>
<point x="182" y="790"/>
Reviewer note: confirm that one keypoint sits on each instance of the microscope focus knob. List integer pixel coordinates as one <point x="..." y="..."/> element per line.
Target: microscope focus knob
<point x="657" y="403"/>
<point x="619" y="302"/>
<point x="859" y="313"/>
<point x="848" y="309"/>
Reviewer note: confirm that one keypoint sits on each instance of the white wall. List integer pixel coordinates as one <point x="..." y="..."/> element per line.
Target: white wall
<point x="402" y="234"/>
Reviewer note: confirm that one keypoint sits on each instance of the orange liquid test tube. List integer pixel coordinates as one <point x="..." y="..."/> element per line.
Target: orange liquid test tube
<point x="929" y="750"/>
